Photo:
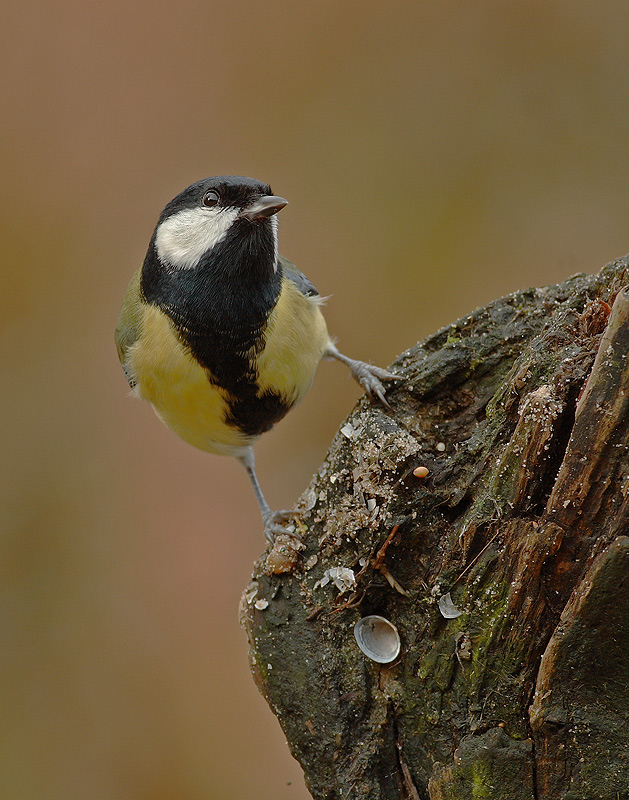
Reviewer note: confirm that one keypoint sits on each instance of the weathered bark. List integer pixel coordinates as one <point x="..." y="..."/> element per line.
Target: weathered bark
<point x="522" y="519"/>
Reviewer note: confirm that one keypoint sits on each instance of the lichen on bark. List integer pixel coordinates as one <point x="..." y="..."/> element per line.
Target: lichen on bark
<point x="519" y="411"/>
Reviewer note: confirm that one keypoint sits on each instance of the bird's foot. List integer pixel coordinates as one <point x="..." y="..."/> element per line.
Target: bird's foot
<point x="273" y="525"/>
<point x="367" y="375"/>
<point x="370" y="378"/>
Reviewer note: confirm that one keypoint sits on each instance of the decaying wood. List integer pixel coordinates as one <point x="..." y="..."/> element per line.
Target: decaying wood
<point x="520" y="412"/>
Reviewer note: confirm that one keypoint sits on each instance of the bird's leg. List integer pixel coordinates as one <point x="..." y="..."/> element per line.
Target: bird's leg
<point x="367" y="375"/>
<point x="270" y="519"/>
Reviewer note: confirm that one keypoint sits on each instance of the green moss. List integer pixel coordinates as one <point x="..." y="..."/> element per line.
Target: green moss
<point x="481" y="782"/>
<point x="453" y="339"/>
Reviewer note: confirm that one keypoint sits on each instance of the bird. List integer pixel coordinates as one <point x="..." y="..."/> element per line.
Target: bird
<point x="220" y="333"/>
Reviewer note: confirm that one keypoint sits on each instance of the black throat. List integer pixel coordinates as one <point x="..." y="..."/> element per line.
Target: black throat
<point x="220" y="307"/>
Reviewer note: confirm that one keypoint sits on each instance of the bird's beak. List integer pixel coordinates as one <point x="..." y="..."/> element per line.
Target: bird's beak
<point x="263" y="207"/>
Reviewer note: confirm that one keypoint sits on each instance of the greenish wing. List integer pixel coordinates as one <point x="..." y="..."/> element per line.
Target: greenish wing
<point x="297" y="277"/>
<point x="129" y="322"/>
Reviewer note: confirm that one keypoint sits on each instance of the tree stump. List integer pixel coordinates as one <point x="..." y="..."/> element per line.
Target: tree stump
<point x="504" y="569"/>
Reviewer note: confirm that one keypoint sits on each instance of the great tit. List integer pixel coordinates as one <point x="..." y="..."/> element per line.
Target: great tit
<point x="220" y="333"/>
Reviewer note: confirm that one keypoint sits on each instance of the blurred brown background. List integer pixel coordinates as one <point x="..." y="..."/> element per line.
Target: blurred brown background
<point x="436" y="155"/>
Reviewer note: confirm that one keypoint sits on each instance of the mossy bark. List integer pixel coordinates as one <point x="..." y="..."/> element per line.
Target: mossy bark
<point x="520" y="413"/>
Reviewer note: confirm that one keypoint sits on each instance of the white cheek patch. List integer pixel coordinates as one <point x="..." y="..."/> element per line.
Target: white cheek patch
<point x="182" y="239"/>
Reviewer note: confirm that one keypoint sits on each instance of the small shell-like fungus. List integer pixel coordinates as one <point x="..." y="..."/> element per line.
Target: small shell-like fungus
<point x="377" y="638"/>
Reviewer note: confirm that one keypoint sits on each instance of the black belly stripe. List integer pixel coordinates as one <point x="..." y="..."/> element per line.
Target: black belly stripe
<point x="258" y="413"/>
<point x="250" y="411"/>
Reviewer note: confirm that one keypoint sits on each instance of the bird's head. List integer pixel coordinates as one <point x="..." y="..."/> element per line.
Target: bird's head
<point x="226" y="212"/>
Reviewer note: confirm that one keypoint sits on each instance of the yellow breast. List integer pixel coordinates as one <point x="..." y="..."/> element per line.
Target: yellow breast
<point x="295" y="339"/>
<point x="178" y="388"/>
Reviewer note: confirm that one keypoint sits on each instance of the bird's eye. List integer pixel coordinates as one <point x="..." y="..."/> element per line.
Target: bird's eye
<point x="210" y="198"/>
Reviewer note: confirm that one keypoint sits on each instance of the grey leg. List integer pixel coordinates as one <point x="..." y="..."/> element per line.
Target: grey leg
<point x="270" y="519"/>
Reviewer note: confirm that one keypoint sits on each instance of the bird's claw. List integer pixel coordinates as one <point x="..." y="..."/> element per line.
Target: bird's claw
<point x="273" y="525"/>
<point x="370" y="378"/>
